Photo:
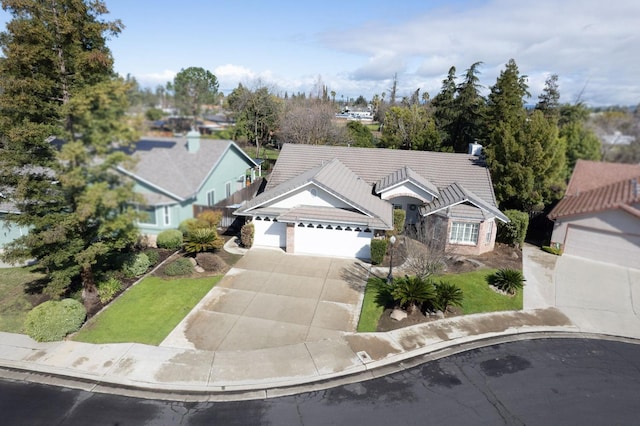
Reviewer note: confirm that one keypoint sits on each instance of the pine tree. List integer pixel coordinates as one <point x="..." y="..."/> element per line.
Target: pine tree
<point x="444" y="110"/>
<point x="467" y="126"/>
<point x="549" y="99"/>
<point x="63" y="109"/>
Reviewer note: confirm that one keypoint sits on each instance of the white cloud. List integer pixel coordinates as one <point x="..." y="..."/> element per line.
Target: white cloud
<point x="155" y="79"/>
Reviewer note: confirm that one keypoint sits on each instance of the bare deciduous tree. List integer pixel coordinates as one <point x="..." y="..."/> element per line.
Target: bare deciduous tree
<point x="425" y="255"/>
<point x="309" y="122"/>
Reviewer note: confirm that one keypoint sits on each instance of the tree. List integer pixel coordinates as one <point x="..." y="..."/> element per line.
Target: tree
<point x="444" y="111"/>
<point x="256" y="112"/>
<point x="62" y="110"/>
<point x="359" y="134"/>
<point x="525" y="156"/>
<point x="410" y="128"/>
<point x="194" y="87"/>
<point x="549" y="99"/>
<point x="581" y="141"/>
<point x="309" y="122"/>
<point x="467" y="122"/>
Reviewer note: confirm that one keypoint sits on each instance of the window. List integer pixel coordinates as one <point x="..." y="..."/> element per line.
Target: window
<point x="211" y="198"/>
<point x="464" y="233"/>
<point x="166" y="214"/>
<point x="489" y="233"/>
<point x="148" y="215"/>
<point x="228" y="188"/>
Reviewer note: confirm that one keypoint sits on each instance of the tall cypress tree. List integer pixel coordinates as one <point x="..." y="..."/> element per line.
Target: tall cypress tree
<point x="62" y="109"/>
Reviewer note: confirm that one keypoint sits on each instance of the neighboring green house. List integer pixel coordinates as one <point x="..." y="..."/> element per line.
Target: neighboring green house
<point x="174" y="174"/>
<point x="8" y="232"/>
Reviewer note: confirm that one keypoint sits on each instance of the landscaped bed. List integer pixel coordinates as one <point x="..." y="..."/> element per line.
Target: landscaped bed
<point x="147" y="312"/>
<point x="478" y="297"/>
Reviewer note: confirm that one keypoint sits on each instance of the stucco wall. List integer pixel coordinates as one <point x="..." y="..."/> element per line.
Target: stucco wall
<point x="617" y="221"/>
<point x="305" y="196"/>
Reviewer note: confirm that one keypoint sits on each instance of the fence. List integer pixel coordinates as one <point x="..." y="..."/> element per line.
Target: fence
<point x="227" y="206"/>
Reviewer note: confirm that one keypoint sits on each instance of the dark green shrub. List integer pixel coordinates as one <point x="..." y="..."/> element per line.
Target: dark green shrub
<point x="507" y="279"/>
<point x="399" y="217"/>
<point x="202" y="239"/>
<point x="53" y="320"/>
<point x="153" y="256"/>
<point x="447" y="294"/>
<point x="136" y="264"/>
<point x="211" y="262"/>
<point x="246" y="235"/>
<point x="514" y="232"/>
<point x="181" y="266"/>
<point x="552" y="250"/>
<point x="170" y="239"/>
<point x="378" y="250"/>
<point x="108" y="289"/>
<point x="411" y="292"/>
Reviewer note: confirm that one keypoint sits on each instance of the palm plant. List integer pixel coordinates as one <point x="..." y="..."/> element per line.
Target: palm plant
<point x="202" y="239"/>
<point x="507" y="279"/>
<point x="447" y="294"/>
<point x="411" y="292"/>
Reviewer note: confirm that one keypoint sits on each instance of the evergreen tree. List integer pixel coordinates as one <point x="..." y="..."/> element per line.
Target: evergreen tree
<point x="582" y="142"/>
<point x="524" y="154"/>
<point x="410" y="128"/>
<point x="194" y="87"/>
<point x="467" y="125"/>
<point x="62" y="109"/>
<point x="549" y="99"/>
<point x="444" y="111"/>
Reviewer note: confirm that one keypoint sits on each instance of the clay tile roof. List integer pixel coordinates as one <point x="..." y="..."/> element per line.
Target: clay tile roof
<point x="588" y="175"/>
<point x="621" y="194"/>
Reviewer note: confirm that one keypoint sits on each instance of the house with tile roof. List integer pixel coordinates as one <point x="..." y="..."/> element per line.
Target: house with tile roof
<point x="174" y="174"/>
<point x="599" y="216"/>
<point x="332" y="200"/>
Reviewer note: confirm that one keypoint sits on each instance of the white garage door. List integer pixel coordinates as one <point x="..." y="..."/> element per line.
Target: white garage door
<point x="618" y="249"/>
<point x="269" y="233"/>
<point x="333" y="242"/>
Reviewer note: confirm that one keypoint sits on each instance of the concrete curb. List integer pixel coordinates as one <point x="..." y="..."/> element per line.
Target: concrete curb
<point x="33" y="372"/>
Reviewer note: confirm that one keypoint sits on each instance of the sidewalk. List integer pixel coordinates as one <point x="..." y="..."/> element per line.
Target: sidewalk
<point x="187" y="374"/>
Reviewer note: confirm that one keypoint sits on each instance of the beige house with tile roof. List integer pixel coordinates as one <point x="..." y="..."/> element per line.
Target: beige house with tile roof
<point x="330" y="200"/>
<point x="599" y="216"/>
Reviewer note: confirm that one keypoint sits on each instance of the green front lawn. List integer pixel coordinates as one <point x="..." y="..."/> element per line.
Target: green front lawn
<point x="147" y="312"/>
<point x="15" y="302"/>
<point x="478" y="297"/>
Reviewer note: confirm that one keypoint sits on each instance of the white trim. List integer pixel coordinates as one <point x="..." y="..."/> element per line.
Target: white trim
<point x="227" y="189"/>
<point x="166" y="215"/>
<point x="211" y="197"/>
<point x="461" y="238"/>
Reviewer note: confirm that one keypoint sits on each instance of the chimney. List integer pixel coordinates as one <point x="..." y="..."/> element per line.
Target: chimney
<point x="475" y="149"/>
<point x="193" y="141"/>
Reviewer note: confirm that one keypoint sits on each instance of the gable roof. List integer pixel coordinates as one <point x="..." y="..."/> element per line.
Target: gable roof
<point x="402" y="175"/>
<point x="621" y="194"/>
<point x="588" y="175"/>
<point x="456" y="194"/>
<point x="166" y="165"/>
<point x="375" y="164"/>
<point x="336" y="179"/>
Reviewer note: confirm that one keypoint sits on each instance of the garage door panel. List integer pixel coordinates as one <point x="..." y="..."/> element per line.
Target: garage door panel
<point x="332" y="242"/>
<point x="609" y="247"/>
<point x="269" y="233"/>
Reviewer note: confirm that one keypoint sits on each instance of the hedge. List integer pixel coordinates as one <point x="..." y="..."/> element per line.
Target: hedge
<point x="514" y="232"/>
<point x="378" y="250"/>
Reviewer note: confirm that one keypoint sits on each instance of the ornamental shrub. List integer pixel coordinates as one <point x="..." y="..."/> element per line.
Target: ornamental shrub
<point x="447" y="294"/>
<point x="399" y="217"/>
<point x="378" y="249"/>
<point x="135" y="264"/>
<point x="153" y="256"/>
<point x="246" y="235"/>
<point x="412" y="292"/>
<point x="211" y="262"/>
<point x="108" y="289"/>
<point x="514" y="232"/>
<point x="181" y="266"/>
<point x="507" y="279"/>
<point x="53" y="320"/>
<point x="202" y="239"/>
<point x="170" y="239"/>
<point x="211" y="218"/>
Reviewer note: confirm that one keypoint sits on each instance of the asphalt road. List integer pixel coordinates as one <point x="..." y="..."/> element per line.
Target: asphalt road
<point x="536" y="382"/>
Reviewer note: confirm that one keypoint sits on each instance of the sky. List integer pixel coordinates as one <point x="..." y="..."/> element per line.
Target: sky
<point x="356" y="47"/>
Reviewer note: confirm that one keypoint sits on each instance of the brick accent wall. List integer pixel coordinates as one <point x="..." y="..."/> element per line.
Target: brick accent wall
<point x="291" y="230"/>
<point x="483" y="246"/>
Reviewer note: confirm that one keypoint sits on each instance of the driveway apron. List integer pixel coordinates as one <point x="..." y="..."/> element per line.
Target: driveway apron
<point x="272" y="299"/>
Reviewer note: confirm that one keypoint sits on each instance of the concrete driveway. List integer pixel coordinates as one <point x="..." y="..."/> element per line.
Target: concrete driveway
<point x="273" y="299"/>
